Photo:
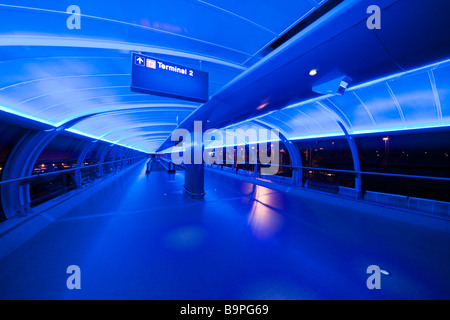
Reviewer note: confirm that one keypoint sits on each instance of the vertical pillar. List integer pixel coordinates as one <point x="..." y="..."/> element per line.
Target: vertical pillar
<point x="294" y="154"/>
<point x="356" y="162"/>
<point x="194" y="184"/>
<point x="296" y="160"/>
<point x="80" y="161"/>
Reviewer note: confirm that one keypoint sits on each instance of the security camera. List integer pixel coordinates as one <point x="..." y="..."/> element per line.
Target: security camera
<point x="337" y="85"/>
<point x="343" y="86"/>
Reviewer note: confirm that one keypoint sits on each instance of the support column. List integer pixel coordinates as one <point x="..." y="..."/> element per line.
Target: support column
<point x="356" y="162"/>
<point x="194" y="184"/>
<point x="80" y="161"/>
<point x="296" y="159"/>
<point x="294" y="154"/>
<point x="103" y="151"/>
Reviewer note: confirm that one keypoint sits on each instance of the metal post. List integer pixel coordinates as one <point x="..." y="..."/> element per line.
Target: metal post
<point x="356" y="162"/>
<point x="194" y="184"/>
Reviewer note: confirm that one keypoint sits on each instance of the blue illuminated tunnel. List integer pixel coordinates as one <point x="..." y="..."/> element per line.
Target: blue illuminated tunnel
<point x="347" y="170"/>
<point x="55" y="74"/>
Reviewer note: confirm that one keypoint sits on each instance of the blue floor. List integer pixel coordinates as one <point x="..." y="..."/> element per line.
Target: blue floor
<point x="140" y="237"/>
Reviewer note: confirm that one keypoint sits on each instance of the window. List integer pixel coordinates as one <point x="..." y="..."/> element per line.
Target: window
<point x="327" y="154"/>
<point x="419" y="154"/>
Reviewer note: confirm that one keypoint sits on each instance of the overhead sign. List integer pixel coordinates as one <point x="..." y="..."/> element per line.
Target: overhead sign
<point x="155" y="76"/>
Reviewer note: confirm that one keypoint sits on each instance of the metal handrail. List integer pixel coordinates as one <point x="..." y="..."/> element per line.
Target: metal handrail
<point x="38" y="175"/>
<point x="353" y="171"/>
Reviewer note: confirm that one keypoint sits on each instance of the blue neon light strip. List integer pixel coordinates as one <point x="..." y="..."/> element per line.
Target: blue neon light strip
<point x="22" y="115"/>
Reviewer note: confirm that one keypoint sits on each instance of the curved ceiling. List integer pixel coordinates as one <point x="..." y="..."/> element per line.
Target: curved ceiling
<point x="54" y="74"/>
<point x="419" y="99"/>
<point x="414" y="100"/>
<point x="397" y="76"/>
<point x="79" y="79"/>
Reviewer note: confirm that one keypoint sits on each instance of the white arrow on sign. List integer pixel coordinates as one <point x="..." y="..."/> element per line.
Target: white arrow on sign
<point x="140" y="60"/>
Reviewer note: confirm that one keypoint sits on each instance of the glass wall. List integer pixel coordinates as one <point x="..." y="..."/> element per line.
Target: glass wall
<point x="60" y="154"/>
<point x="285" y="164"/>
<point x="52" y="171"/>
<point x="326" y="154"/>
<point x="9" y="137"/>
<point x="63" y="153"/>
<point x="92" y="157"/>
<point x="419" y="154"/>
<point x="415" y="153"/>
<point x="242" y="157"/>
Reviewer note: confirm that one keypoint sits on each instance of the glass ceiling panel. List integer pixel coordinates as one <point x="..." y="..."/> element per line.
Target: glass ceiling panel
<point x="354" y="110"/>
<point x="55" y="74"/>
<point x="414" y="100"/>
<point x="379" y="102"/>
<point x="309" y="120"/>
<point x="233" y="33"/>
<point x="442" y="78"/>
<point x="415" y="97"/>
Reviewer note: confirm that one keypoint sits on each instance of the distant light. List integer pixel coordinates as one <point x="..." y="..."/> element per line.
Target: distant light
<point x="262" y="106"/>
<point x="386" y="139"/>
<point x="313" y="72"/>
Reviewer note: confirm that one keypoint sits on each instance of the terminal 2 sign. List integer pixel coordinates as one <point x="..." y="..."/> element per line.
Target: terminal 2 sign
<point x="158" y="77"/>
